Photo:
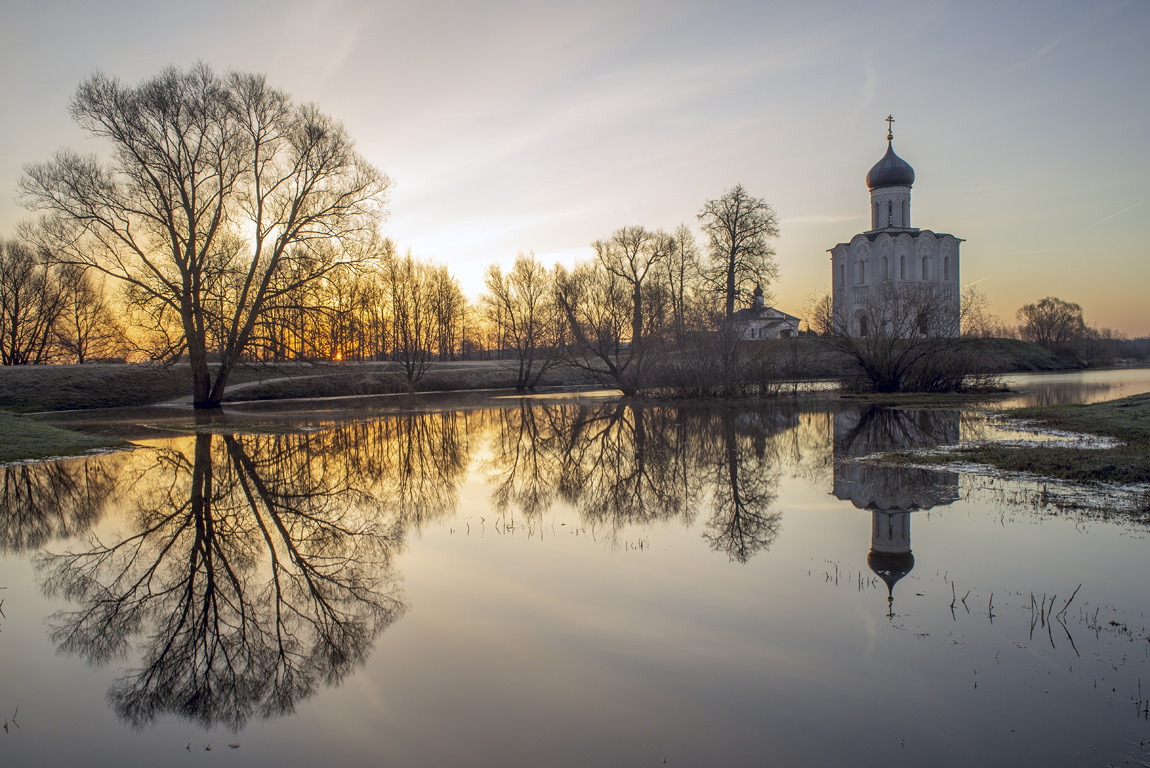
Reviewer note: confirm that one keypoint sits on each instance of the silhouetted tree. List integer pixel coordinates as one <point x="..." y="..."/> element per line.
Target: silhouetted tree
<point x="903" y="339"/>
<point x="522" y="307"/>
<point x="1051" y="321"/>
<point x="615" y="316"/>
<point x="219" y="187"/>
<point x="32" y="300"/>
<point x="739" y="229"/>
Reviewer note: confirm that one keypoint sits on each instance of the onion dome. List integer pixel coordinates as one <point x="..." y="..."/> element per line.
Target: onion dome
<point x="891" y="171"/>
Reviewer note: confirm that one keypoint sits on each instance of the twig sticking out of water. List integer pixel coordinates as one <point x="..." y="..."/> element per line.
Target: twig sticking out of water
<point x="1067" y="605"/>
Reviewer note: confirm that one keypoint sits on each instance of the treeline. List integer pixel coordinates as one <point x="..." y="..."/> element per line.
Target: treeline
<point x="52" y="312"/>
<point x="649" y="310"/>
<point x="1060" y="326"/>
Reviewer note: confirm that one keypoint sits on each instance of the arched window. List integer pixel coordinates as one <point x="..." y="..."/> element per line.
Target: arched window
<point x="863" y="325"/>
<point x="946" y="268"/>
<point x="885" y="270"/>
<point x="902" y="267"/>
<point x="924" y="275"/>
<point x="862" y="273"/>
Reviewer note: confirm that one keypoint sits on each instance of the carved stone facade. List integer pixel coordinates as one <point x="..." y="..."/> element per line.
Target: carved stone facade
<point x="894" y="256"/>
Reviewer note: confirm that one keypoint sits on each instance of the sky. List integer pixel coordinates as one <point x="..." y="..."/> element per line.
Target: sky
<point x="540" y="127"/>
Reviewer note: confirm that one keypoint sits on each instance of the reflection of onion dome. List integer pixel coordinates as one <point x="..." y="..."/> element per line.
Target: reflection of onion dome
<point x="890" y="568"/>
<point x="891" y="171"/>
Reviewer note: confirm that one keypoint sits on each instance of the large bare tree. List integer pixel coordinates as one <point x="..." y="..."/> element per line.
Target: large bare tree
<point x="739" y="229"/>
<point x="216" y="188"/>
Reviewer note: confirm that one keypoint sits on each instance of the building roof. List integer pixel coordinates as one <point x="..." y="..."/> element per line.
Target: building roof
<point x="895" y="232"/>
<point x="750" y="314"/>
<point x="891" y="171"/>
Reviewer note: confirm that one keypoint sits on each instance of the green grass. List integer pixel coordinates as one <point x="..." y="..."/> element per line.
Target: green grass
<point x="26" y="439"/>
<point x="1127" y="420"/>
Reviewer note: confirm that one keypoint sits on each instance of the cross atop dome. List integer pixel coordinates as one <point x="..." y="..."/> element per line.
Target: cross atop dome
<point x="889" y="132"/>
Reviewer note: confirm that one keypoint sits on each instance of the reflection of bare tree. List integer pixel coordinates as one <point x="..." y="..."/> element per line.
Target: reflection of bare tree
<point x="413" y="463"/>
<point x="524" y="464"/>
<point x="624" y="463"/>
<point x="744" y="480"/>
<point x="52" y="499"/>
<point x="254" y="573"/>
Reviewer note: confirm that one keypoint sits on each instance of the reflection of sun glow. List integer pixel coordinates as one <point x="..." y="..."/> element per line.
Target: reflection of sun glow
<point x="338" y="356"/>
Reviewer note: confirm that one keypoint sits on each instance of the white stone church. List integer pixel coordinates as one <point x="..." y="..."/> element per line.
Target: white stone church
<point x="892" y="256"/>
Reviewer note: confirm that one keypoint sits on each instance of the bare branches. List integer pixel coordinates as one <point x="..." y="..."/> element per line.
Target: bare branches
<point x="739" y="229"/>
<point x="215" y="187"/>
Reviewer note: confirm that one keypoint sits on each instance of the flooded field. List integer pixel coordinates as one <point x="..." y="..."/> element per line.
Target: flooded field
<point x="564" y="580"/>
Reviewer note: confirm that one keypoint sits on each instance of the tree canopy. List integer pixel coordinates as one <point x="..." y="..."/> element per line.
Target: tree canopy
<point x="220" y="195"/>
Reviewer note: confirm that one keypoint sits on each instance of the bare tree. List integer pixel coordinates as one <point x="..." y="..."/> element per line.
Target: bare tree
<point x="681" y="273"/>
<point x="1051" y="321"/>
<point x="905" y="338"/>
<point x="630" y="254"/>
<point x="521" y="305"/>
<point x="615" y="315"/>
<point x="408" y="290"/>
<point x="217" y="186"/>
<point x="87" y="326"/>
<point x="31" y="302"/>
<point x="739" y="229"/>
<point x="448" y="305"/>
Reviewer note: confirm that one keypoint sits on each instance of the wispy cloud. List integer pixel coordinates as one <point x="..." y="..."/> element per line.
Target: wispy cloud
<point x="1118" y="213"/>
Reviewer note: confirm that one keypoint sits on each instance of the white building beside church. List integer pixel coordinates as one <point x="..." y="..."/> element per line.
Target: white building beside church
<point x="759" y="321"/>
<point x="894" y="256"/>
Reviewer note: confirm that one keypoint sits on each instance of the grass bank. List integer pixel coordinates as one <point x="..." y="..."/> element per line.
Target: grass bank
<point x="24" y="439"/>
<point x="1127" y="420"/>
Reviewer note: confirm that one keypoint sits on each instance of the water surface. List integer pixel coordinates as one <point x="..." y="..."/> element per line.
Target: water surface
<point x="567" y="581"/>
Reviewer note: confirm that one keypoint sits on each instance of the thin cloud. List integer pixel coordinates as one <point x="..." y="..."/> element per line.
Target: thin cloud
<point x="1119" y="213"/>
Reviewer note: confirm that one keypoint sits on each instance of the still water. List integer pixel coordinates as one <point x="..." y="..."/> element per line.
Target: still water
<point x="566" y="581"/>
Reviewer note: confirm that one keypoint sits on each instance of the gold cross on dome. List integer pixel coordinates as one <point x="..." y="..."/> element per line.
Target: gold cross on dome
<point x="889" y="132"/>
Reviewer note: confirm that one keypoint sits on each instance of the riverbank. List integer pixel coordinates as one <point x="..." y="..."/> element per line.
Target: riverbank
<point x="25" y="440"/>
<point x="1126" y="421"/>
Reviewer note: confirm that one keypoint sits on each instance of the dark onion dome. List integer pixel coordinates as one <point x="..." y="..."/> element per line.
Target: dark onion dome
<point x="891" y="171"/>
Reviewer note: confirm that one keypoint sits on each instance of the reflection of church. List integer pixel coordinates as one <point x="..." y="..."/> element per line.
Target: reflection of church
<point x="893" y="255"/>
<point x="891" y="493"/>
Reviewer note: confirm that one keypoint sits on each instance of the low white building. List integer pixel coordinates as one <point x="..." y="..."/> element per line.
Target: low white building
<point x="893" y="256"/>
<point x="759" y="321"/>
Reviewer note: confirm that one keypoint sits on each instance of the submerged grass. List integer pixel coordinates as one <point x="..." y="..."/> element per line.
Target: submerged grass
<point x="27" y="439"/>
<point x="1127" y="420"/>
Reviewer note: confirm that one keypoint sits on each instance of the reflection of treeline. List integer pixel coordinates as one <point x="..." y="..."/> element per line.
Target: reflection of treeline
<point x="623" y="463"/>
<point x="53" y="500"/>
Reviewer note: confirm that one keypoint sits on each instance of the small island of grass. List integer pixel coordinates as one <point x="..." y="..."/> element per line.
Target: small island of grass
<point x="1126" y="420"/>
